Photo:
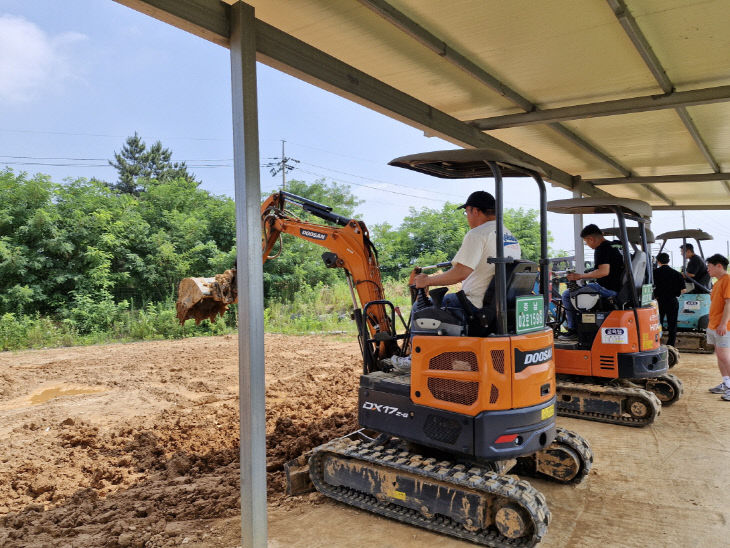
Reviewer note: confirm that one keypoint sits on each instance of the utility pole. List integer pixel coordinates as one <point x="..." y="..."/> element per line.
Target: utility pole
<point x="283" y="166"/>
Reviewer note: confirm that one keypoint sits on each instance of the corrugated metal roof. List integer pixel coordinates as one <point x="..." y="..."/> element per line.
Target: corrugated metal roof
<point x="478" y="59"/>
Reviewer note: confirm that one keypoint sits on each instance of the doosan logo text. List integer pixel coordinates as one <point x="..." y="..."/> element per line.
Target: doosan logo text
<point x="312" y="234"/>
<point x="524" y="360"/>
<point x="538" y="357"/>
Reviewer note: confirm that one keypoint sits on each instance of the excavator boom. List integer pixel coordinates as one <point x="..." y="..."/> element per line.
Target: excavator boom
<point x="348" y="246"/>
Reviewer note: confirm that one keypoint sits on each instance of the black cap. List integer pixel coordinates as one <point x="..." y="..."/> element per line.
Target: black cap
<point x="481" y="200"/>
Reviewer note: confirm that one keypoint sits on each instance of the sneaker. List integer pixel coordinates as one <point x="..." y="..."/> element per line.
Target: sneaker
<point x="726" y="395"/>
<point x="398" y="363"/>
<point x="719" y="389"/>
<point x="569" y="335"/>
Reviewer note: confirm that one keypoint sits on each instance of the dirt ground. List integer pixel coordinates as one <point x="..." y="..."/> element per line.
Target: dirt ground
<point x="137" y="445"/>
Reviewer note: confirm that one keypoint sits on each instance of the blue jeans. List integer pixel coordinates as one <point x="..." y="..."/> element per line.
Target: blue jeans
<point x="451" y="301"/>
<point x="570" y="309"/>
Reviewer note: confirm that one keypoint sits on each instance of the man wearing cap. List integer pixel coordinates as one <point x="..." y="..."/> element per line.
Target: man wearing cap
<point x="470" y="265"/>
<point x="695" y="270"/>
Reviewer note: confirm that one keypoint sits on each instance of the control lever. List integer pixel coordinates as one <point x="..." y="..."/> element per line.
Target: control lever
<point x="437" y="295"/>
<point x="422" y="300"/>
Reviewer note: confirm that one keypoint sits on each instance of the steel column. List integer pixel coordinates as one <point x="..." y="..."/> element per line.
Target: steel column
<point x="580" y="261"/>
<point x="250" y="277"/>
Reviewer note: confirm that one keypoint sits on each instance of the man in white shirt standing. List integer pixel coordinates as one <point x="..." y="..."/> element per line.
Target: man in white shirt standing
<point x="470" y="265"/>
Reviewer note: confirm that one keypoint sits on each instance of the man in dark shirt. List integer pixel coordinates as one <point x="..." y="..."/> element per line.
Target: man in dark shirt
<point x="696" y="270"/>
<point x="668" y="285"/>
<point x="605" y="278"/>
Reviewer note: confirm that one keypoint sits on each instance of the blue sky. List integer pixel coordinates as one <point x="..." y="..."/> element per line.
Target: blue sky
<point x="77" y="77"/>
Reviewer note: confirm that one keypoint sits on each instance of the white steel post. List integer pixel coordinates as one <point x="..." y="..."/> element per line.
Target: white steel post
<point x="250" y="277"/>
<point x="577" y="227"/>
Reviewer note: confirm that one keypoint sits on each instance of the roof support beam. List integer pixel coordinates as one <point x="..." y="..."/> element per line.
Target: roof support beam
<point x="642" y="45"/>
<point x="691" y="207"/>
<point x="608" y="108"/>
<point x="210" y="20"/>
<point x="438" y="46"/>
<point x="441" y="48"/>
<point x="688" y="178"/>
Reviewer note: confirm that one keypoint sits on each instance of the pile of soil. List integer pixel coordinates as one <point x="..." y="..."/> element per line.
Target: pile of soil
<point x="117" y="445"/>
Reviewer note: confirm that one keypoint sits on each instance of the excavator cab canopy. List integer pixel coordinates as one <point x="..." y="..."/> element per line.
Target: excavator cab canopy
<point x="690" y="233"/>
<point x="695" y="234"/>
<point x="466" y="164"/>
<point x="632" y="232"/>
<point x="576" y="206"/>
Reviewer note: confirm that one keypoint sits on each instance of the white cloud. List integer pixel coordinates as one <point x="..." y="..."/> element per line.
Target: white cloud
<point x="32" y="62"/>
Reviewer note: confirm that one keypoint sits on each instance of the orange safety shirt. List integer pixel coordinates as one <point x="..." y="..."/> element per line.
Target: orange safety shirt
<point x="720" y="292"/>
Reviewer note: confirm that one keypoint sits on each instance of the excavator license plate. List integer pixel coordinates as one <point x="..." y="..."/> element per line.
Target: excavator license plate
<point x="547" y="412"/>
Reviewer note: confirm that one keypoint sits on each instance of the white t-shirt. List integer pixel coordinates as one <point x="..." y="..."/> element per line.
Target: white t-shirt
<point x="479" y="244"/>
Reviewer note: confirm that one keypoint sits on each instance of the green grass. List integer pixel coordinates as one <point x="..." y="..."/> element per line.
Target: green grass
<point x="320" y="310"/>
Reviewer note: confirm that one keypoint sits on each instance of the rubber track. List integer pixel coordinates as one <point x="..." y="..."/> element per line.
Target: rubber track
<point x="579" y="445"/>
<point x="693" y="335"/>
<point x="674" y="380"/>
<point x="651" y="400"/>
<point x="396" y="456"/>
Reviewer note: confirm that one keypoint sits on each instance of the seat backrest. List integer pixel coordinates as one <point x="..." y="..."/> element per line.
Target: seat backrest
<point x="638" y="265"/>
<point x="638" y="268"/>
<point x="521" y="277"/>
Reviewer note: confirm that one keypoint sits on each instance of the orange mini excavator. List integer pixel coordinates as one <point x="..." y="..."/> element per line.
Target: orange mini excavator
<point x="437" y="442"/>
<point x="616" y="370"/>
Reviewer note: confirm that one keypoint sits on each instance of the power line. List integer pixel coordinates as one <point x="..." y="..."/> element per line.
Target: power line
<point x="80" y="134"/>
<point x="374" y="188"/>
<point x="379" y="180"/>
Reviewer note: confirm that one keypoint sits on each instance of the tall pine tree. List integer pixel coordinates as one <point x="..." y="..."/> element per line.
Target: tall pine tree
<point x="137" y="164"/>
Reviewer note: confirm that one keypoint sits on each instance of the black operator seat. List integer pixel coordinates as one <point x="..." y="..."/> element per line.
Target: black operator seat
<point x="435" y="320"/>
<point x="521" y="277"/>
<point x="638" y="267"/>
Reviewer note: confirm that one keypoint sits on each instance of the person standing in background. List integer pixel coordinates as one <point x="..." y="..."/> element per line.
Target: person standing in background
<point x="668" y="285"/>
<point x="717" y="329"/>
<point x="696" y="270"/>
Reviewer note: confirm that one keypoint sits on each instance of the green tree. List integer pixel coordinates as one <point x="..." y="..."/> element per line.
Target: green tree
<point x="299" y="263"/>
<point x="136" y="164"/>
<point x="426" y="236"/>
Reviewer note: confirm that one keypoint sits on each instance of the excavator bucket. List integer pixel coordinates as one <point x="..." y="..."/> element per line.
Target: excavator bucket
<point x="206" y="298"/>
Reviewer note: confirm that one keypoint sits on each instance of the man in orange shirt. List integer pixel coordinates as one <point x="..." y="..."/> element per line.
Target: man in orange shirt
<point x="717" y="329"/>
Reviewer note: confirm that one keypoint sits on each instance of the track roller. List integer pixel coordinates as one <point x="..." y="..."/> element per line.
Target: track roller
<point x="672" y="356"/>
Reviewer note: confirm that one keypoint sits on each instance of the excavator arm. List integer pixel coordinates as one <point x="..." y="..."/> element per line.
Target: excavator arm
<point x="349" y="247"/>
